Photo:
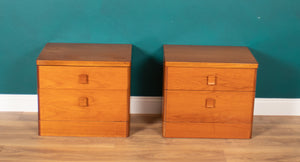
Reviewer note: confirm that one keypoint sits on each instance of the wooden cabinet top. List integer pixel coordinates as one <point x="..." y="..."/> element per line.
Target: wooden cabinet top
<point x="81" y="54"/>
<point x="208" y="56"/>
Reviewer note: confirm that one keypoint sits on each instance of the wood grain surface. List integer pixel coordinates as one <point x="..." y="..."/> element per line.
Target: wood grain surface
<point x="190" y="106"/>
<point x="208" y="91"/>
<point x="180" y="78"/>
<point x="206" y="130"/>
<point x="100" y="105"/>
<point x="275" y="138"/>
<point x="208" y="56"/>
<point x="68" y="77"/>
<point x="84" y="89"/>
<point x="83" y="128"/>
<point x="81" y="54"/>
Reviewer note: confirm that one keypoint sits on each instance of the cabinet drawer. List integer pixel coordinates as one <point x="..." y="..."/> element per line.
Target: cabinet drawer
<point x="207" y="130"/>
<point x="84" y="105"/>
<point x="63" y="77"/>
<point x="79" y="128"/>
<point x="209" y="107"/>
<point x="210" y="79"/>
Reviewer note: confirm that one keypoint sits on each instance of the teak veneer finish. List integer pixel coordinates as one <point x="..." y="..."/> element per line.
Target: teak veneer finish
<point x="81" y="54"/>
<point x="70" y="77"/>
<point x="84" y="89"/>
<point x="198" y="108"/>
<point x="98" y="105"/>
<point x="209" y="91"/>
<point x="209" y="56"/>
<point x="211" y="79"/>
<point x="78" y="128"/>
<point x="207" y="130"/>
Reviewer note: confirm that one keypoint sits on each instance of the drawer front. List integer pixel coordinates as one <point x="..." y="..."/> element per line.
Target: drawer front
<point x="84" y="105"/>
<point x="209" y="107"/>
<point x="79" y="128"/>
<point x="64" y="77"/>
<point x="207" y="130"/>
<point x="210" y="79"/>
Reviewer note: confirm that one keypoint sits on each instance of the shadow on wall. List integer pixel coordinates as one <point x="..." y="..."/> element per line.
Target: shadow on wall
<point x="274" y="75"/>
<point x="146" y="72"/>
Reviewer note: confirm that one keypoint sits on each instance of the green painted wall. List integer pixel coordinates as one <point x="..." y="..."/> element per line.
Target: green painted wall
<point x="271" y="28"/>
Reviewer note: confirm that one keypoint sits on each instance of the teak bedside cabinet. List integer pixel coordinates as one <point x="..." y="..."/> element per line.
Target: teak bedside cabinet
<point x="84" y="89"/>
<point x="208" y="91"/>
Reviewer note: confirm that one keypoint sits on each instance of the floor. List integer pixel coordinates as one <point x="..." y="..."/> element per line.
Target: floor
<point x="274" y="139"/>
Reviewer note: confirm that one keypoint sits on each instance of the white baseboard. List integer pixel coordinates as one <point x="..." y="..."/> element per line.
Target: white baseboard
<point x="276" y="106"/>
<point x="17" y="102"/>
<point x="153" y="105"/>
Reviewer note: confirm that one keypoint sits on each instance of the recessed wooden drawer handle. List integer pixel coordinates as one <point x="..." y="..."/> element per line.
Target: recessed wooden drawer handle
<point x="83" y="79"/>
<point x="83" y="102"/>
<point x="210" y="103"/>
<point x="211" y="80"/>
